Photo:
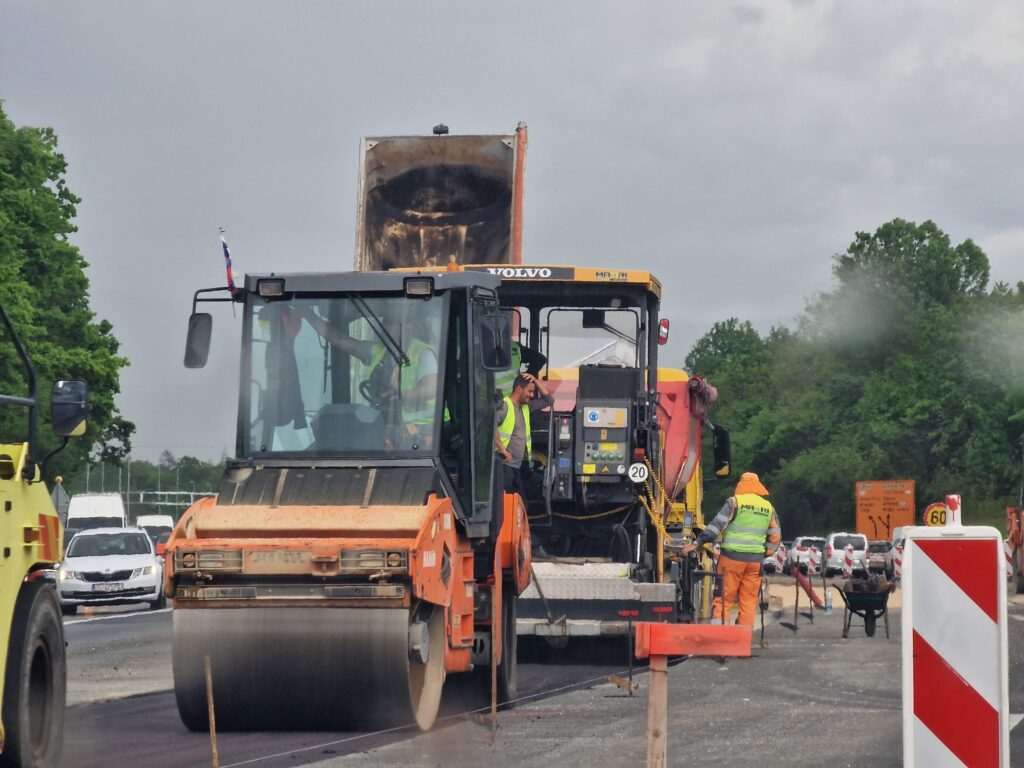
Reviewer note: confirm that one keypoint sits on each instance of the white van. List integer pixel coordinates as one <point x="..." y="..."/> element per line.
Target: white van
<point x="154" y="525"/>
<point x="96" y="510"/>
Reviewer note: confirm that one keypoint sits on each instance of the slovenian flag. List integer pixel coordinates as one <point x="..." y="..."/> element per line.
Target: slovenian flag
<point x="227" y="265"/>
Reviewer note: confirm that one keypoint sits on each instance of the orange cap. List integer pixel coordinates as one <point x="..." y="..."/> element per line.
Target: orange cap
<point x="750" y="483"/>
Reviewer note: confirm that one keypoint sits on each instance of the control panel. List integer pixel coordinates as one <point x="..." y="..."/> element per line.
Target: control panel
<point x="602" y="443"/>
<point x="562" y="456"/>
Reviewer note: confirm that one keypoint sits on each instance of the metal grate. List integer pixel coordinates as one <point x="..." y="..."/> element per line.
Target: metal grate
<point x="112" y="576"/>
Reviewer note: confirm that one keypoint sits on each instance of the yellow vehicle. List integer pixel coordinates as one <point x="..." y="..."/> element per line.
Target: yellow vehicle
<point x="33" y="675"/>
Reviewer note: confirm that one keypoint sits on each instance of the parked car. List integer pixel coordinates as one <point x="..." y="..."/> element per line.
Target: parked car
<point x="876" y="555"/>
<point x="800" y="552"/>
<point x="771" y="562"/>
<point x="835" y="552"/>
<point x="110" y="566"/>
<point x="890" y="558"/>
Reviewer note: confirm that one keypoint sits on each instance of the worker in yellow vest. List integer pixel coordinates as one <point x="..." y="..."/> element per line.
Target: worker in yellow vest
<point x="415" y="382"/>
<point x="512" y="439"/>
<point x="749" y="530"/>
<point x="534" y="361"/>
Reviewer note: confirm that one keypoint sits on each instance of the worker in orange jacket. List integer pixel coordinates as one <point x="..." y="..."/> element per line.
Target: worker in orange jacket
<point x="750" y="531"/>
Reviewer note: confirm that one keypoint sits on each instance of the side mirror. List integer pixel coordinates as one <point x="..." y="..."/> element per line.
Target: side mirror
<point x="663" y="331"/>
<point x="496" y="342"/>
<point x="197" y="343"/>
<point x="721" y="447"/>
<point x="593" y="318"/>
<point x="68" y="408"/>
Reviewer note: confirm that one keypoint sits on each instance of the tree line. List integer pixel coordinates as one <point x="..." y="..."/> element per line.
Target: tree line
<point x="166" y="486"/>
<point x="910" y="368"/>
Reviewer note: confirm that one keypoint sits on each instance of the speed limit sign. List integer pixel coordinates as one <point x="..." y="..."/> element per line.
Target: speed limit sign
<point x="638" y="472"/>
<point x="935" y="514"/>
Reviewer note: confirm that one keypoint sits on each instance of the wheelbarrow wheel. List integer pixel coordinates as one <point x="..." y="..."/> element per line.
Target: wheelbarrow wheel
<point x="869" y="623"/>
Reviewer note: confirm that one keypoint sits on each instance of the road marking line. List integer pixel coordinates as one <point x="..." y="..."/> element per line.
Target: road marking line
<point x="1014" y="720"/>
<point x="117" y="616"/>
<point x="1015" y="617"/>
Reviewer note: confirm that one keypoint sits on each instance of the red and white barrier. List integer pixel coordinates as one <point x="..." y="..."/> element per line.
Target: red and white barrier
<point x="897" y="563"/>
<point x="1008" y="556"/>
<point x="955" y="670"/>
<point x="813" y="561"/>
<point x="848" y="561"/>
<point x="780" y="559"/>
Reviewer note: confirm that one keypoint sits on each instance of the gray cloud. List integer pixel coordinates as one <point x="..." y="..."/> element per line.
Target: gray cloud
<point x="733" y="148"/>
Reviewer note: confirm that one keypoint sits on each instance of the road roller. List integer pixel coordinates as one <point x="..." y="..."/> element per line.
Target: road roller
<point x="360" y="558"/>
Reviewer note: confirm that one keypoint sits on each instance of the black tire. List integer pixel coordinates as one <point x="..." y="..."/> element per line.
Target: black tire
<point x="69" y="610"/>
<point x="508" y="669"/>
<point x="36" y="681"/>
<point x="869" y="623"/>
<point x="160" y="602"/>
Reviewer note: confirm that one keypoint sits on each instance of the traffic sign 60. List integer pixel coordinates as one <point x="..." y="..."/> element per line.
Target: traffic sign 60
<point x="935" y="515"/>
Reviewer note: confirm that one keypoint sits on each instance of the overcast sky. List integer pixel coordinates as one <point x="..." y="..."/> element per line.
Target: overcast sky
<point x="731" y="148"/>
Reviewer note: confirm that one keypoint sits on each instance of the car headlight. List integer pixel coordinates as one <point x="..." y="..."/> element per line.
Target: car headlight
<point x="64" y="575"/>
<point x="147" y="571"/>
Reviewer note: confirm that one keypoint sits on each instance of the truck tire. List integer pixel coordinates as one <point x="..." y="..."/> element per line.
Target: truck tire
<point x="36" y="681"/>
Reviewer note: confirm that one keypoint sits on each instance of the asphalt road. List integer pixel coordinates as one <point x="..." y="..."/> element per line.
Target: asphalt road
<point x="122" y="712"/>
<point x="808" y="699"/>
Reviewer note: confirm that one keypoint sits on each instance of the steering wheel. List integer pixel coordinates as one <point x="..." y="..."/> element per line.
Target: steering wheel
<point x="377" y="393"/>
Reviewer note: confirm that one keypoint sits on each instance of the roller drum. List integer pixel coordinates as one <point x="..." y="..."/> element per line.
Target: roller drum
<point x="307" y="668"/>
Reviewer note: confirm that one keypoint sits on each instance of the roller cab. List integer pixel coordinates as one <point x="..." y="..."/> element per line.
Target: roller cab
<point x="360" y="540"/>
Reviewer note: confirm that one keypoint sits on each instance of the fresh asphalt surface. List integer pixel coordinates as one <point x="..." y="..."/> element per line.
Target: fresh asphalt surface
<point x="835" y="693"/>
<point x="113" y="653"/>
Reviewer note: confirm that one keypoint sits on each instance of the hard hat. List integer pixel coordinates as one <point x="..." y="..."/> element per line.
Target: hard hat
<point x="750" y="483"/>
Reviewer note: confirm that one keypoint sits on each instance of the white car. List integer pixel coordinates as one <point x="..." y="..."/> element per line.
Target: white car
<point x="800" y="552"/>
<point x="110" y="566"/>
<point x="835" y="552"/>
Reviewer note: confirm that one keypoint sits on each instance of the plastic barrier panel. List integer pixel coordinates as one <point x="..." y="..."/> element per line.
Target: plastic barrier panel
<point x="955" y="703"/>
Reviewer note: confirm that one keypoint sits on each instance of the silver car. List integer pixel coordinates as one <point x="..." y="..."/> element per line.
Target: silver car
<point x="835" y="552"/>
<point x="800" y="552"/>
<point x="110" y="566"/>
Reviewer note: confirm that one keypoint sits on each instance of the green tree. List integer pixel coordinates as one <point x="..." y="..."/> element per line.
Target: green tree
<point x="44" y="288"/>
<point x="909" y="368"/>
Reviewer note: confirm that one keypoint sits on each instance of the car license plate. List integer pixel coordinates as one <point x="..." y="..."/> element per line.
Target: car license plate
<point x="110" y="586"/>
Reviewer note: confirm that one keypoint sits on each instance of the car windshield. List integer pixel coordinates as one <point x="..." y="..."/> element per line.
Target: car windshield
<point x="88" y="523"/>
<point x="879" y="546"/>
<point x="101" y="544"/>
<point x="816" y="543"/>
<point x="842" y="542"/>
<point x="156" y="531"/>
<point x="343" y="375"/>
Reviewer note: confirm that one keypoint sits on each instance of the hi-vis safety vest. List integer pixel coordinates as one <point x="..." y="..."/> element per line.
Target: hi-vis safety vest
<point x="503" y="380"/>
<point x="748" y="529"/>
<point x="509" y="423"/>
<point x="409" y="378"/>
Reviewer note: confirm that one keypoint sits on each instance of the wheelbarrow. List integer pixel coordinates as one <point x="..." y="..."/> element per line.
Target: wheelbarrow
<point x="867" y="603"/>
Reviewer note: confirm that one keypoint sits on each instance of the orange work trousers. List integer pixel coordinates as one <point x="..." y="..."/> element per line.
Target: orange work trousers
<point x="742" y="580"/>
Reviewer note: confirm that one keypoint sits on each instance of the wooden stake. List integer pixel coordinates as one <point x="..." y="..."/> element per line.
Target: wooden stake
<point x="209" y="707"/>
<point x="657" y="713"/>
